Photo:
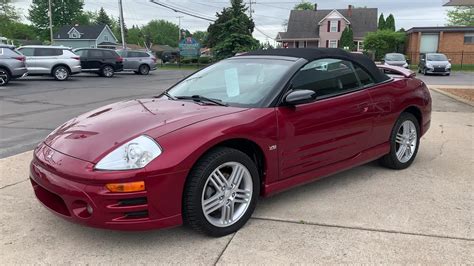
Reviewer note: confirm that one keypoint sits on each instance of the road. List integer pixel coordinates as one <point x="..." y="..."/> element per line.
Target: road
<point x="456" y="78"/>
<point x="30" y="109"/>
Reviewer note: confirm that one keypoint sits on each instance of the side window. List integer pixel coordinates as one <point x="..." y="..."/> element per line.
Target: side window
<point x="95" y="54"/>
<point x="80" y="52"/>
<point x="326" y="77"/>
<point x="110" y="54"/>
<point x="364" y="77"/>
<point x="142" y="54"/>
<point x="27" y="51"/>
<point x="48" y="52"/>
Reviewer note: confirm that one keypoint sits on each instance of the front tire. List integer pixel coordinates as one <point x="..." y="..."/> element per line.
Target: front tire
<point x="107" y="71"/>
<point x="4" y="77"/>
<point x="61" y="73"/>
<point x="221" y="192"/>
<point x="404" y="142"/>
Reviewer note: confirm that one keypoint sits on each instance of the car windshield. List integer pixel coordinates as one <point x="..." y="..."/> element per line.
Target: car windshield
<point x="237" y="82"/>
<point x="437" y="57"/>
<point x="395" y="57"/>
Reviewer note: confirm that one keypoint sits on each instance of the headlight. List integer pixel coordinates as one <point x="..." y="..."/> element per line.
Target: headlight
<point x="428" y="65"/>
<point x="405" y="65"/>
<point x="134" y="154"/>
<point x="448" y="66"/>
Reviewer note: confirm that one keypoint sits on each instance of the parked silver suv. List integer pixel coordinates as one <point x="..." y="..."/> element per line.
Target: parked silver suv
<point x="57" y="61"/>
<point x="139" y="62"/>
<point x="12" y="64"/>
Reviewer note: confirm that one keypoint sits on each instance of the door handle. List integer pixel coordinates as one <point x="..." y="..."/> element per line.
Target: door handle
<point x="364" y="107"/>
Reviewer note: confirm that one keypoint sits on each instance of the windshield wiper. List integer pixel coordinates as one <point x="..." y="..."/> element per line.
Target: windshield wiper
<point x="165" y="93"/>
<point x="199" y="98"/>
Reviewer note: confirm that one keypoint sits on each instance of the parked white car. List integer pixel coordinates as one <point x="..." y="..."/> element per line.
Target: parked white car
<point x="57" y="61"/>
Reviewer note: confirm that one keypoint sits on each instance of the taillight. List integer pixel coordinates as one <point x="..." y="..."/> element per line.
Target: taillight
<point x="119" y="59"/>
<point x="76" y="57"/>
<point x="20" y="58"/>
<point x="154" y="59"/>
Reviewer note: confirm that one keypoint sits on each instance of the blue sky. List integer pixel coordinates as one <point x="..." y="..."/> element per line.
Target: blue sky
<point x="269" y="15"/>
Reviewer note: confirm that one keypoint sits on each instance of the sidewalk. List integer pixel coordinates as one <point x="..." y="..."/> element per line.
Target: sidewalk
<point x="369" y="214"/>
<point x="462" y="93"/>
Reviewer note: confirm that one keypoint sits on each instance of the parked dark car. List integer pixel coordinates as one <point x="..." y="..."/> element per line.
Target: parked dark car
<point x="434" y="63"/>
<point x="169" y="57"/>
<point x="104" y="62"/>
<point x="140" y="62"/>
<point x="12" y="64"/>
<point x="395" y="59"/>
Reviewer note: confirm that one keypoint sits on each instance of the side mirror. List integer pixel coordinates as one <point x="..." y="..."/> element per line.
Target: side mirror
<point x="299" y="97"/>
<point x="422" y="59"/>
<point x="408" y="61"/>
<point x="449" y="60"/>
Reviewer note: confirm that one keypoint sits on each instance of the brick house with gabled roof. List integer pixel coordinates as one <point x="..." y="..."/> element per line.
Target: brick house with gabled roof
<point x="323" y="28"/>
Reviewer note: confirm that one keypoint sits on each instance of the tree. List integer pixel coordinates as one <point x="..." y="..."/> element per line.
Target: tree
<point x="461" y="16"/>
<point x="161" y="32"/>
<point x="231" y="33"/>
<point x="304" y="5"/>
<point x="135" y="36"/>
<point x="115" y="27"/>
<point x="7" y="11"/>
<point x="390" y="23"/>
<point x="201" y="37"/>
<point x="103" y="18"/>
<point x="86" y="18"/>
<point x="347" y="39"/>
<point x="64" y="12"/>
<point x="384" y="41"/>
<point x="381" y="22"/>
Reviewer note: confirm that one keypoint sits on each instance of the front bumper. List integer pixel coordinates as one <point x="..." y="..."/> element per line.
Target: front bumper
<point x="438" y="71"/>
<point x="61" y="184"/>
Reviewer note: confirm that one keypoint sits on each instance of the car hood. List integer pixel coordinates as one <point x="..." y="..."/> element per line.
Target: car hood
<point x="438" y="63"/>
<point x="92" y="135"/>
<point x="396" y="63"/>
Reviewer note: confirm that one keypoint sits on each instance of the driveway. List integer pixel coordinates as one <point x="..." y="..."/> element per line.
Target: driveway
<point x="457" y="78"/>
<point x="369" y="214"/>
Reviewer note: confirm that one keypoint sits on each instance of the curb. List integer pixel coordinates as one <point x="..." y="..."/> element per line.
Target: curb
<point x="455" y="97"/>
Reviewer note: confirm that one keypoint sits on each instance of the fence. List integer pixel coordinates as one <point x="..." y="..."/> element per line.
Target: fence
<point x="461" y="60"/>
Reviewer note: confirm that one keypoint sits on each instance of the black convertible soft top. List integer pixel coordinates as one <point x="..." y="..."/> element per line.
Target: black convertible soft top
<point x="311" y="54"/>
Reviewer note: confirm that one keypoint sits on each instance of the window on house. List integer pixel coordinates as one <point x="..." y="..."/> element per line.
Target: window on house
<point x="106" y="38"/>
<point x="334" y="26"/>
<point x="469" y="38"/>
<point x="74" y="35"/>
<point x="332" y="43"/>
<point x="360" y="46"/>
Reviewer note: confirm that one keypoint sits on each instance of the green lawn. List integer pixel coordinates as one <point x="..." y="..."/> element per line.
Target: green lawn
<point x="453" y="68"/>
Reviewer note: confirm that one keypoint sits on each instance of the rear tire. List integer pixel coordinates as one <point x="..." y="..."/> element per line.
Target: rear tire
<point x="107" y="71"/>
<point x="4" y="77"/>
<point x="404" y="143"/>
<point x="144" y="70"/>
<point x="221" y="192"/>
<point x="61" y="73"/>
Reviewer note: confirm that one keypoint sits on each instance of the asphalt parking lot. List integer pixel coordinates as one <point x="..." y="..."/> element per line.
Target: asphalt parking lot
<point x="423" y="215"/>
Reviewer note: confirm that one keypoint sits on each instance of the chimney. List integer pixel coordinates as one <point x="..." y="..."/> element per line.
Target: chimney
<point x="349" y="11"/>
<point x="315" y="7"/>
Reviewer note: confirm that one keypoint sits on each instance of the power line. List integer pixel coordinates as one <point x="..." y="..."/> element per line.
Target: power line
<point x="180" y="11"/>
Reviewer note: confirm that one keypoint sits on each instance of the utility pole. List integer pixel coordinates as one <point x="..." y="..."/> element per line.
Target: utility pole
<point x="50" y="14"/>
<point x="179" y="28"/>
<point x="250" y="7"/>
<point x="122" y="31"/>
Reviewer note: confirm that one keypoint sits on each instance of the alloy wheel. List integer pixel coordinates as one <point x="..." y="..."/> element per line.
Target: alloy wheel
<point x="406" y="141"/>
<point x="144" y="70"/>
<point x="108" y="71"/>
<point x="227" y="194"/>
<point x="3" y="77"/>
<point x="61" y="73"/>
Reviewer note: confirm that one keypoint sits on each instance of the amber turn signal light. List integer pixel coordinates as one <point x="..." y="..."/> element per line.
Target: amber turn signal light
<point x="126" y="187"/>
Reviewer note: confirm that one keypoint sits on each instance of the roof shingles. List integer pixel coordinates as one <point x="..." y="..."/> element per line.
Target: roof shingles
<point x="87" y="32"/>
<point x="303" y="24"/>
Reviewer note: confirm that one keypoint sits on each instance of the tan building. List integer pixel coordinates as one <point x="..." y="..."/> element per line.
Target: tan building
<point x="323" y="28"/>
<point x="456" y="42"/>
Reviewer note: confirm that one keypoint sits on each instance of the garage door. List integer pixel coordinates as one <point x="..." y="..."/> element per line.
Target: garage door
<point x="429" y="43"/>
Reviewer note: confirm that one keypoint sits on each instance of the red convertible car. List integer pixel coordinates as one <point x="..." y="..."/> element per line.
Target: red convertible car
<point x="204" y="151"/>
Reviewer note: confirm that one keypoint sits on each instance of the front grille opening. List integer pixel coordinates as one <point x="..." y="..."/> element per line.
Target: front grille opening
<point x="51" y="200"/>
<point x="136" y="215"/>
<point x="133" y="202"/>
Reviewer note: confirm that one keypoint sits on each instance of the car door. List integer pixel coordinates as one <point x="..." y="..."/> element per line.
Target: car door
<point x="95" y="59"/>
<point x="29" y="52"/>
<point x="46" y="58"/>
<point x="335" y="127"/>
